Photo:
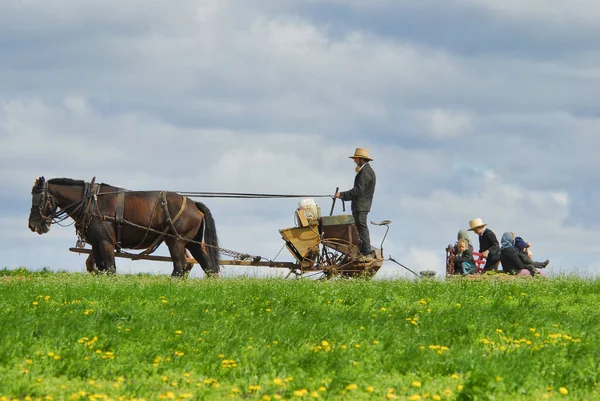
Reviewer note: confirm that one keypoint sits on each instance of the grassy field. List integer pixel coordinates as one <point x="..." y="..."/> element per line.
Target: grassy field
<point x="80" y="337"/>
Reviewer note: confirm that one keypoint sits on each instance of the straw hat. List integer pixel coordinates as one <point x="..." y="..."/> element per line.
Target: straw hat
<point x="361" y="153"/>
<point x="476" y="223"/>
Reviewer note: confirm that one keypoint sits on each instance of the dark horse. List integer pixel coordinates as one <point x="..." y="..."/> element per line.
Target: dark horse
<point x="110" y="218"/>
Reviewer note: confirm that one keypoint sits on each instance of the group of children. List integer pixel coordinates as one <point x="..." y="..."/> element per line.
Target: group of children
<point x="513" y="252"/>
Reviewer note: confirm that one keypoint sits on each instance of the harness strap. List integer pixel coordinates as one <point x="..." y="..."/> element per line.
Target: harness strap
<point x="119" y="214"/>
<point x="160" y="238"/>
<point x="180" y="212"/>
<point x="170" y="221"/>
<point x="87" y="208"/>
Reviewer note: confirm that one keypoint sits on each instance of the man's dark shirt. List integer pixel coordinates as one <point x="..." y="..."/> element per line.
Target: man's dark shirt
<point x="489" y="242"/>
<point x="361" y="194"/>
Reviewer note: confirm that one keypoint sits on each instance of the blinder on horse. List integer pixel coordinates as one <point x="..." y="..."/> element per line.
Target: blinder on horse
<point x="43" y="208"/>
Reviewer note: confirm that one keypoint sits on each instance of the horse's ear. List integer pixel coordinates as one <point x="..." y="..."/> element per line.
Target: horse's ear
<point x="37" y="184"/>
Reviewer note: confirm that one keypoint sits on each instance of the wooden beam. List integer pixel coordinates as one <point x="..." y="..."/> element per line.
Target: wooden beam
<point x="286" y="265"/>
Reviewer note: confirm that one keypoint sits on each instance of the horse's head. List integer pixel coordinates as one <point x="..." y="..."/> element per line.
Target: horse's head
<point x="43" y="207"/>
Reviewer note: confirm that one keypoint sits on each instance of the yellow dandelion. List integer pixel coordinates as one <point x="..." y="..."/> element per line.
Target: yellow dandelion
<point x="370" y="389"/>
<point x="460" y="387"/>
<point x="178" y="332"/>
<point x="266" y="397"/>
<point x="314" y="394"/>
<point x="416" y="383"/>
<point x="351" y="386"/>
<point x="356" y="345"/>
<point x="414" y="397"/>
<point x="254" y="387"/>
<point x="454" y="376"/>
<point x="498" y="330"/>
<point x="436" y="397"/>
<point x="277" y="381"/>
<point x="563" y="390"/>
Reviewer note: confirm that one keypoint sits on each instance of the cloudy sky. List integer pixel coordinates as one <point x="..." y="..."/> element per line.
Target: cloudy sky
<point x="470" y="108"/>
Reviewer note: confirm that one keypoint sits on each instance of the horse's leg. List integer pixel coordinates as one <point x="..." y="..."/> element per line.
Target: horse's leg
<point x="98" y="259"/>
<point x="188" y="265"/>
<point x="177" y="251"/>
<point x="106" y="254"/>
<point x="198" y="254"/>
<point x="90" y="264"/>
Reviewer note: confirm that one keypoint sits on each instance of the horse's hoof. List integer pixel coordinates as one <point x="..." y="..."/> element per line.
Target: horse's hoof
<point x="177" y="274"/>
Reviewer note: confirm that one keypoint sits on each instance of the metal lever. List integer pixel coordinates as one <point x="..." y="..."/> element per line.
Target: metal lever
<point x="334" y="199"/>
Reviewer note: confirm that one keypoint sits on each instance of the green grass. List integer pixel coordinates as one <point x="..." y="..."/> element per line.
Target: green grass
<point x="80" y="337"/>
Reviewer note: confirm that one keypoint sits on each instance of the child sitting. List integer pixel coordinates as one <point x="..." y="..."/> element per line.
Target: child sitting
<point x="463" y="259"/>
<point x="525" y="254"/>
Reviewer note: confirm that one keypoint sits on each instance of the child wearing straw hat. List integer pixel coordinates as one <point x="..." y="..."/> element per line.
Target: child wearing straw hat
<point x="361" y="196"/>
<point x="488" y="244"/>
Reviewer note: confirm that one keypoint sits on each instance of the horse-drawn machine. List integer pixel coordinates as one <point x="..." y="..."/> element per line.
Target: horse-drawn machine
<point x="112" y="219"/>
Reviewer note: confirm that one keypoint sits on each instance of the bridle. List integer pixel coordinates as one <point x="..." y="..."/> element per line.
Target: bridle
<point x="48" y="207"/>
<point x="46" y="204"/>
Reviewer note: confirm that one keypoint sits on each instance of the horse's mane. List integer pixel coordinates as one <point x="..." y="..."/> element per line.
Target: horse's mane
<point x="66" y="181"/>
<point x="69" y="182"/>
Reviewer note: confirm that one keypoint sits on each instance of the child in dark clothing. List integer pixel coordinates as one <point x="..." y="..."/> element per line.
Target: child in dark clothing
<point x="511" y="263"/>
<point x="464" y="258"/>
<point x="488" y="244"/>
<point x="525" y="254"/>
<point x="457" y="263"/>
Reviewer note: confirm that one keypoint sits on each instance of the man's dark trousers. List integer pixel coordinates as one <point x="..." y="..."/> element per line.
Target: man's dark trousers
<point x="360" y="220"/>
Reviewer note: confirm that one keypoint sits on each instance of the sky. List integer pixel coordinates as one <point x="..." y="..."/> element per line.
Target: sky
<point x="469" y="108"/>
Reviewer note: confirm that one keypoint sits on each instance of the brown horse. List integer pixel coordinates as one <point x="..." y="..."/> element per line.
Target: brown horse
<point x="110" y="218"/>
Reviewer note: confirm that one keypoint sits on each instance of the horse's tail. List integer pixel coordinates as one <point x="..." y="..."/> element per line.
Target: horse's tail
<point x="209" y="235"/>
